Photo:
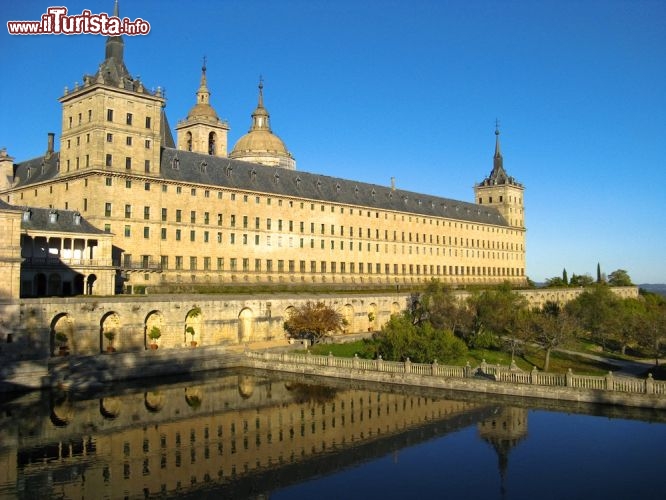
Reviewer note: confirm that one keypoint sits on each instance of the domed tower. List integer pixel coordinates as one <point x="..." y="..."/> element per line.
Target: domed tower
<point x="260" y="144"/>
<point x="502" y="191"/>
<point x="203" y="131"/>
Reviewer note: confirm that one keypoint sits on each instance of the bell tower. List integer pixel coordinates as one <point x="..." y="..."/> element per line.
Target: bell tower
<point x="203" y="131"/>
<point x="502" y="191"/>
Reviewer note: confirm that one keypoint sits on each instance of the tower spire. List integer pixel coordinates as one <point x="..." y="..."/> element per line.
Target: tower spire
<point x="498" y="161"/>
<point x="260" y="117"/>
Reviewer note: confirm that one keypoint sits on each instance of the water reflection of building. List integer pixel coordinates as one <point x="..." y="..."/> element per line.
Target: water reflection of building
<point x="503" y="432"/>
<point x="184" y="438"/>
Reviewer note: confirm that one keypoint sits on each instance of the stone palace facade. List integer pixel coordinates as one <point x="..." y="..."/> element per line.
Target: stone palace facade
<point x="189" y="213"/>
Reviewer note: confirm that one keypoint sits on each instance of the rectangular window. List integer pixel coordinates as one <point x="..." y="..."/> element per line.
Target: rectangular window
<point x="193" y="263"/>
<point x="244" y="221"/>
<point x="164" y="215"/>
<point x="233" y="221"/>
<point x="146" y="166"/>
<point x="219" y="219"/>
<point x="269" y="265"/>
<point x="233" y="264"/>
<point x="128" y="163"/>
<point x="177" y="234"/>
<point x="206" y="236"/>
<point x="128" y="183"/>
<point x="107" y="209"/>
<point x="193" y="217"/>
<point x="108" y="161"/>
<point x="163" y="233"/>
<point x="129" y="119"/>
<point x="128" y="211"/>
<point x="179" y="215"/>
<point x="128" y="231"/>
<point x="206" y="218"/>
<point x="220" y="263"/>
<point x="193" y="235"/>
<point x="164" y="262"/>
<point x="147" y="121"/>
<point x="128" y="140"/>
<point x="246" y="264"/>
<point x="146" y="213"/>
<point x="108" y="181"/>
<point x="179" y="261"/>
<point x="146" y="232"/>
<point x="147" y="143"/>
<point x="107" y="228"/>
<point x="109" y="115"/>
<point x="206" y="263"/>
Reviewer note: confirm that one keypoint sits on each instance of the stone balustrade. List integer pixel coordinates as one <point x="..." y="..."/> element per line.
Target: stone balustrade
<point x="485" y="372"/>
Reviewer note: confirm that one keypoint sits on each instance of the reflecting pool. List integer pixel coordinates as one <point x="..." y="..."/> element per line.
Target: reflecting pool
<point x="254" y="435"/>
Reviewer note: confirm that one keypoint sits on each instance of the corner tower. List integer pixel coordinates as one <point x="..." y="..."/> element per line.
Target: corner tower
<point x="203" y="131"/>
<point x="260" y="144"/>
<point x="111" y="121"/>
<point x="501" y="191"/>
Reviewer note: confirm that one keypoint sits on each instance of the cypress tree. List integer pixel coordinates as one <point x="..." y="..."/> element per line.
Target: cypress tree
<point x="598" y="273"/>
<point x="565" y="277"/>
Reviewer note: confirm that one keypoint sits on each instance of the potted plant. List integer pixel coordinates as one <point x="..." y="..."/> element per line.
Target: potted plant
<point x="154" y="334"/>
<point x="61" y="342"/>
<point x="110" y="336"/>
<point x="190" y="330"/>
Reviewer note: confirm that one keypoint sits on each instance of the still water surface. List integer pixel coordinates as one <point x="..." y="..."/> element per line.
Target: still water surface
<point x="245" y="435"/>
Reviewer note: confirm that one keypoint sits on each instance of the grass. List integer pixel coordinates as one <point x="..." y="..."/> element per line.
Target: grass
<point x="559" y="362"/>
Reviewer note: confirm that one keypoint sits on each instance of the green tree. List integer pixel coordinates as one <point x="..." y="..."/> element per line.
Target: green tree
<point x="581" y="280"/>
<point x="400" y="339"/>
<point x="653" y="326"/>
<point x="565" y="277"/>
<point x="556" y="282"/>
<point x="595" y="310"/>
<point x="551" y="327"/>
<point x="314" y="321"/>
<point x="498" y="315"/>
<point x="619" y="277"/>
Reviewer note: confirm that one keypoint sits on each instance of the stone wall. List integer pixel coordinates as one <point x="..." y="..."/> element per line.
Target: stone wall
<point x="29" y="328"/>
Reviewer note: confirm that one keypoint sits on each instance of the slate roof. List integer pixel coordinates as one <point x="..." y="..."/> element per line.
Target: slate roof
<point x="197" y="168"/>
<point x="39" y="220"/>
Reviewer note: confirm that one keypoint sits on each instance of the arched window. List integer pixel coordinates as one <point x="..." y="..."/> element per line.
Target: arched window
<point x="211" y="143"/>
<point x="188" y="141"/>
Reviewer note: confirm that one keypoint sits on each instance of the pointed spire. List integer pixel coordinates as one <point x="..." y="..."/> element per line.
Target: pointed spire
<point x="261" y="92"/>
<point x="260" y="117"/>
<point x="116" y="11"/>
<point x="115" y="44"/>
<point x="498" y="153"/>
<point x="203" y="94"/>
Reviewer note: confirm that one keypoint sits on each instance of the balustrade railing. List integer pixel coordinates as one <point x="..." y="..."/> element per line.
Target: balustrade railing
<point x="497" y="373"/>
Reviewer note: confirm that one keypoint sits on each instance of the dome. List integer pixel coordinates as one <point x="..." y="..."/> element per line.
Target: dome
<point x="202" y="110"/>
<point x="259" y="141"/>
<point x="260" y="144"/>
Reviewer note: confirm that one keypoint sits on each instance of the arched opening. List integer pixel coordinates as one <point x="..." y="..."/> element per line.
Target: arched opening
<point x="245" y="386"/>
<point x="153" y="329"/>
<point x="395" y="308"/>
<point x="109" y="332"/>
<point x="211" y="143"/>
<point x="245" y="325"/>
<point x="90" y="283"/>
<point x="153" y="401"/>
<point x="109" y="408"/>
<point x="40" y="285"/>
<point x="188" y="141"/>
<point x="54" y="285"/>
<point x="78" y="285"/>
<point x="348" y="317"/>
<point x="61" y="335"/>
<point x="373" y="317"/>
<point x="193" y="321"/>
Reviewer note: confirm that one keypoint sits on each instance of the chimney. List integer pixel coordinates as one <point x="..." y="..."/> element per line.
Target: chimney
<point x="49" y="145"/>
<point x="392" y="183"/>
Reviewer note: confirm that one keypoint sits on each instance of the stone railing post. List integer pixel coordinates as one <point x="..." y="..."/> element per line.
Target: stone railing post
<point x="534" y="375"/>
<point x="649" y="384"/>
<point x="468" y="370"/>
<point x="408" y="366"/>
<point x="569" y="378"/>
<point x="355" y="362"/>
<point x="433" y="369"/>
<point x="610" y="383"/>
<point x="378" y="363"/>
<point x="330" y="361"/>
<point x="308" y="357"/>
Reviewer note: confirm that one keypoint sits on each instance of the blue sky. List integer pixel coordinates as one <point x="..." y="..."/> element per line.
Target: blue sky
<point x="410" y="89"/>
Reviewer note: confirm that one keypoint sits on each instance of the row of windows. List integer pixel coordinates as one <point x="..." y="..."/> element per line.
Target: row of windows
<point x="351" y="211"/>
<point x="334" y="267"/>
<point x="129" y="118"/>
